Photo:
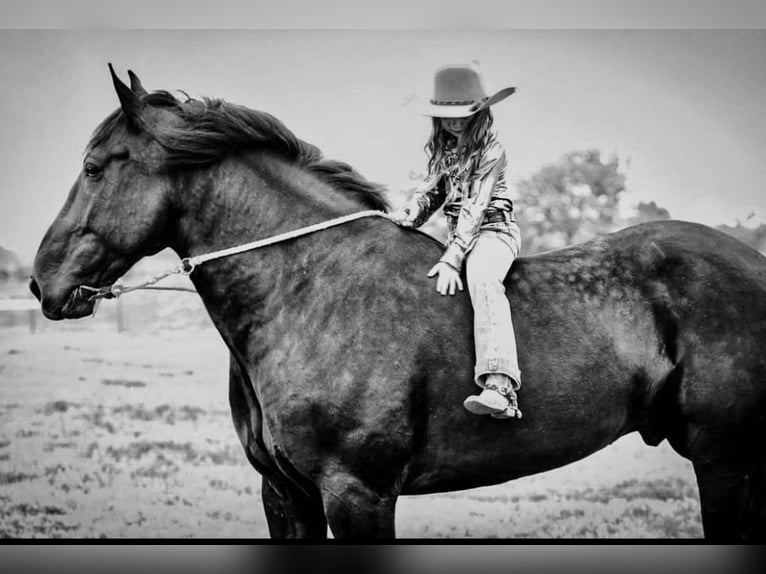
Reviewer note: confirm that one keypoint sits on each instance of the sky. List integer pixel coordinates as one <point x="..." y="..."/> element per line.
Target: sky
<point x="682" y="109"/>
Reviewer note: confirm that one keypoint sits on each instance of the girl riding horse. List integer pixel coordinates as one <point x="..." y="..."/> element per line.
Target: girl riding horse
<point x="466" y="174"/>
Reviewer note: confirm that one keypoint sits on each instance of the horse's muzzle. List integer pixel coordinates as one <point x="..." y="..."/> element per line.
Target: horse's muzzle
<point x="35" y="288"/>
<point x="72" y="305"/>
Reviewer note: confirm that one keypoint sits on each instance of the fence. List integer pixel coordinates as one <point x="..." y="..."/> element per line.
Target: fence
<point x="31" y="306"/>
<point x="34" y="313"/>
<point x="140" y="310"/>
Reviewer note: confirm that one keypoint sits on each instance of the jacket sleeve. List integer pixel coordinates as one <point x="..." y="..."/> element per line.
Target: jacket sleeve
<point x="475" y="204"/>
<point x="425" y="201"/>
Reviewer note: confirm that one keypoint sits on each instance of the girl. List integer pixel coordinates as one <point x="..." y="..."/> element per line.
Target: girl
<point x="466" y="174"/>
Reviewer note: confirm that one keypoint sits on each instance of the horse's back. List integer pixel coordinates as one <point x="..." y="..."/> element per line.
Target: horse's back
<point x="649" y="245"/>
<point x="688" y="271"/>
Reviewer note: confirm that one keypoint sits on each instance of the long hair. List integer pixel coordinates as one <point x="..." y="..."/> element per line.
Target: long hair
<point x="474" y="138"/>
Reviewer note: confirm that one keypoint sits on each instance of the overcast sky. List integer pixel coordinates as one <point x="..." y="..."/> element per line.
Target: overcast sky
<point x="686" y="108"/>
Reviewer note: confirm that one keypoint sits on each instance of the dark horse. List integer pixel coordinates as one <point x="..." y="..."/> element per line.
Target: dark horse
<point x="348" y="370"/>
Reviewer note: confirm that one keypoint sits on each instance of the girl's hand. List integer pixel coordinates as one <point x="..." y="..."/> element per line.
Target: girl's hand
<point x="448" y="278"/>
<point x="402" y="217"/>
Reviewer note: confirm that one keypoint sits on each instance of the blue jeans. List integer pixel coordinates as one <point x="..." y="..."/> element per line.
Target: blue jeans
<point x="487" y="265"/>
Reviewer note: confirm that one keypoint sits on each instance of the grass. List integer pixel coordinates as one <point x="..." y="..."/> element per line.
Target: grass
<point x="35" y="510"/>
<point x="228" y="455"/>
<point x="99" y="419"/>
<point x="186" y="452"/>
<point x="164" y="413"/>
<point x="658" y="489"/>
<point x="26" y="520"/>
<point x="123" y="383"/>
<point x="161" y="468"/>
<point x="13" y="477"/>
<point x="51" y="446"/>
<point x="140" y="449"/>
<point x="58" y="407"/>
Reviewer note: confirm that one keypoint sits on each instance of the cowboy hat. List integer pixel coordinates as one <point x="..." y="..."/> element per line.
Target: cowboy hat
<point x="459" y="92"/>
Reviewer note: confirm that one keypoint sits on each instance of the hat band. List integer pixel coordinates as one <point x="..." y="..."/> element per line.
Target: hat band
<point x="457" y="102"/>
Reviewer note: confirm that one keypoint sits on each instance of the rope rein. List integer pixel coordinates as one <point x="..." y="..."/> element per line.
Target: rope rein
<point x="188" y="264"/>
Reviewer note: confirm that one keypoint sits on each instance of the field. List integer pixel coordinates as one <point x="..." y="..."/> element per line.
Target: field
<point x="126" y="433"/>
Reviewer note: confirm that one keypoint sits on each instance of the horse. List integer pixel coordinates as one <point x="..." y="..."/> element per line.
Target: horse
<point x="348" y="369"/>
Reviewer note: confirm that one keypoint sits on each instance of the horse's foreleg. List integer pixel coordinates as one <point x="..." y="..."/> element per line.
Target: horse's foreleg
<point x="292" y="514"/>
<point x="732" y="486"/>
<point x="355" y="510"/>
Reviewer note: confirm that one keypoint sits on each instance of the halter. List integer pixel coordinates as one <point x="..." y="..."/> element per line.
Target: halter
<point x="188" y="264"/>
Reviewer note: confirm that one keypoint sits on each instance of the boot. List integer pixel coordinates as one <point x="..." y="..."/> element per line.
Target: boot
<point x="498" y="400"/>
<point x="489" y="401"/>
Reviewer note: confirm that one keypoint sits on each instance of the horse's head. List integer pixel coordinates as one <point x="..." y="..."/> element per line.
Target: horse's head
<point x="133" y="196"/>
<point x="115" y="213"/>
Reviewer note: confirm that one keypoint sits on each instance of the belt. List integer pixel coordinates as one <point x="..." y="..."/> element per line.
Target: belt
<point x="497" y="216"/>
<point x="491" y="216"/>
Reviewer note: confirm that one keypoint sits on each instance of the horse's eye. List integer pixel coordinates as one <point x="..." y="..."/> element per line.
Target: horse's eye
<point x="91" y="170"/>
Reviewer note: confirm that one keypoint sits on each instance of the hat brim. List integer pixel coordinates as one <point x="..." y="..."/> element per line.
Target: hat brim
<point x="465" y="110"/>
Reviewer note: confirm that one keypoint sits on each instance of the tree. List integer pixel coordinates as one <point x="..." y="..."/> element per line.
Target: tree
<point x="571" y="200"/>
<point x="646" y="212"/>
<point x="755" y="237"/>
<point x="10" y="266"/>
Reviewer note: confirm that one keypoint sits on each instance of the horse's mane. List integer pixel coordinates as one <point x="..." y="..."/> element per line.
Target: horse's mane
<point x="212" y="129"/>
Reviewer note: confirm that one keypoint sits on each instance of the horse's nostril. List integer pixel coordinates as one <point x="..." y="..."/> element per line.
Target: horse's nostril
<point x="34" y="288"/>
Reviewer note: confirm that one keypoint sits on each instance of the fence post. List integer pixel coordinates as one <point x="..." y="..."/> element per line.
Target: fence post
<point x="120" y="322"/>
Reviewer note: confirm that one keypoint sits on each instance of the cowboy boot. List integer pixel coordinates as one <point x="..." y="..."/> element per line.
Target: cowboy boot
<point x="498" y="399"/>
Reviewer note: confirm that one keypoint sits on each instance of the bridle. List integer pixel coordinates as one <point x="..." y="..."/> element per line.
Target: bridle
<point x="188" y="264"/>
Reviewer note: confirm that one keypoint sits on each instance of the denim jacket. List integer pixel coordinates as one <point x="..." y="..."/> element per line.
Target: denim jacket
<point x="467" y="192"/>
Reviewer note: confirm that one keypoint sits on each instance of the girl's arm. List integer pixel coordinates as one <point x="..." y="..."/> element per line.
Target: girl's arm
<point x="475" y="205"/>
<point x="424" y="202"/>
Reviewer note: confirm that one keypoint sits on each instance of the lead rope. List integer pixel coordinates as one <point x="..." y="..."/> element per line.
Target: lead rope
<point x="188" y="264"/>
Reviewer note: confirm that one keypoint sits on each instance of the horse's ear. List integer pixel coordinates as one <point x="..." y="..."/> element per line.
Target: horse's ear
<point x="130" y="101"/>
<point x="135" y="84"/>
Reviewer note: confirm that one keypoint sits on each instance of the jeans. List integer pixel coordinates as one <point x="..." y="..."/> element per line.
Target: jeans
<point x="487" y="265"/>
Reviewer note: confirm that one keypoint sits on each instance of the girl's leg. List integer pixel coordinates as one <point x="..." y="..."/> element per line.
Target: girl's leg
<point x="487" y="265"/>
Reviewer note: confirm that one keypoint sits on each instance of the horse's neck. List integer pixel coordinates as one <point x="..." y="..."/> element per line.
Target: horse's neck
<point x="238" y="202"/>
<point x="242" y="200"/>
